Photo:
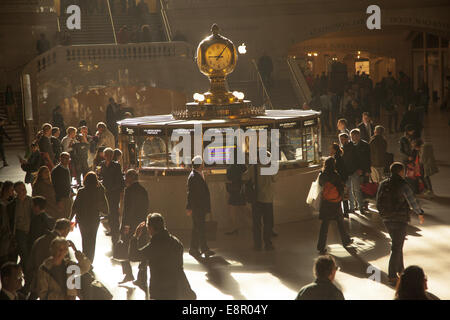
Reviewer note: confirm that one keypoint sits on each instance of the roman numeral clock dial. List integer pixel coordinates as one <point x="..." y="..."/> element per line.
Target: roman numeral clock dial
<point x="218" y="56"/>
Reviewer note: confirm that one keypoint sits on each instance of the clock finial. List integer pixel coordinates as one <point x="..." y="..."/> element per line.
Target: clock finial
<point x="215" y="29"/>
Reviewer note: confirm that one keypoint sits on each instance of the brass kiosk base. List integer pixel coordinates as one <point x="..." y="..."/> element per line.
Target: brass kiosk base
<point x="195" y="110"/>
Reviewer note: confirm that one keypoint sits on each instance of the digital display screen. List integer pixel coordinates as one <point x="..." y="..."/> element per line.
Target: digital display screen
<point x="220" y="154"/>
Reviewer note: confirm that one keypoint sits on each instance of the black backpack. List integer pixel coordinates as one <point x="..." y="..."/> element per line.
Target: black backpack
<point x="387" y="197"/>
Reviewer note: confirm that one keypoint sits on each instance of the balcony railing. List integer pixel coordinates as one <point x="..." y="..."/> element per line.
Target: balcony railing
<point x="109" y="53"/>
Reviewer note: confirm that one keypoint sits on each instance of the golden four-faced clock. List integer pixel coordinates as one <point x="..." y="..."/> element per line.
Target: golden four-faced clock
<point x="216" y="58"/>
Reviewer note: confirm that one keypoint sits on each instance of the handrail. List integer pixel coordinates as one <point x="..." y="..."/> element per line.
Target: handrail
<point x="301" y="87"/>
<point x="112" y="21"/>
<point x="108" y="53"/>
<point x="166" y="23"/>
<point x="266" y="97"/>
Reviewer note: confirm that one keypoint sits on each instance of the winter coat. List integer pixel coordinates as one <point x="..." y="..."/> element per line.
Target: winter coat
<point x="40" y="224"/>
<point x="361" y="156"/>
<point x="88" y="204"/>
<point x="378" y="149"/>
<point x="164" y="255"/>
<point x="49" y="288"/>
<point x="411" y="118"/>
<point x="47" y="191"/>
<point x="340" y="167"/>
<point x="330" y="210"/>
<point x="265" y="188"/>
<point x="34" y="162"/>
<point x="365" y="135"/>
<point x="348" y="155"/>
<point x="61" y="182"/>
<point x="39" y="252"/>
<point x="135" y="206"/>
<point x="58" y="121"/>
<point x="427" y="160"/>
<point x="198" y="197"/>
<point x="106" y="139"/>
<point x="6" y="235"/>
<point x="405" y="148"/>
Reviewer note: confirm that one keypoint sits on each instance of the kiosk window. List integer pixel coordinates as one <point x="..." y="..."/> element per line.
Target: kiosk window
<point x="180" y="158"/>
<point x="291" y="146"/>
<point x="153" y="152"/>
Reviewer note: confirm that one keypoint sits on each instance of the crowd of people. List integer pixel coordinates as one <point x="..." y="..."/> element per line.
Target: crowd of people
<point x="34" y="228"/>
<point x="360" y="167"/>
<point x="341" y="98"/>
<point x="78" y="180"/>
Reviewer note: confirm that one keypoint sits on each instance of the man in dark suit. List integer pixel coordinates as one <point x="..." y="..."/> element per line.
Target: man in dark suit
<point x="41" y="222"/>
<point x="366" y="127"/>
<point x="56" y="144"/>
<point x="164" y="255"/>
<point x="361" y="162"/>
<point x="61" y="180"/>
<point x="11" y="277"/>
<point x="135" y="210"/>
<point x="112" y="115"/>
<point x="198" y="205"/>
<point x="112" y="179"/>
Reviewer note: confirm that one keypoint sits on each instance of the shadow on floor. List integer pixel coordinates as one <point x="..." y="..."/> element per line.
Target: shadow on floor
<point x="220" y="276"/>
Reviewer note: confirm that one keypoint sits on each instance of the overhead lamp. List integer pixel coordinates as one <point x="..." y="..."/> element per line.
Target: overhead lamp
<point x="315" y="54"/>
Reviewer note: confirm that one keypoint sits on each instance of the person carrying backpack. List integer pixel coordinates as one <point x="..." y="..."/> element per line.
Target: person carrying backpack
<point x="330" y="206"/>
<point x="394" y="200"/>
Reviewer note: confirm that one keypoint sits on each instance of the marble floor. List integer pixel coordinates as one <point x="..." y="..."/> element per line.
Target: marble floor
<point x="238" y="272"/>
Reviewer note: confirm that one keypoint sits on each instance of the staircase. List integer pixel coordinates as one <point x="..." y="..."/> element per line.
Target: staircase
<point x="97" y="29"/>
<point x="14" y="131"/>
<point x="282" y="95"/>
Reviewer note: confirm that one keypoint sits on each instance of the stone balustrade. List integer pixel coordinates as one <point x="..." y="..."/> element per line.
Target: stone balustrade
<point x="104" y="53"/>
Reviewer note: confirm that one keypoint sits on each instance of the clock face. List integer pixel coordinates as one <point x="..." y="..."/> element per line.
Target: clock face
<point x="218" y="56"/>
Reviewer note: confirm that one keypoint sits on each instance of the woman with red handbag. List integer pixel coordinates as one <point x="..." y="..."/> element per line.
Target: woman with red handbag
<point x="330" y="207"/>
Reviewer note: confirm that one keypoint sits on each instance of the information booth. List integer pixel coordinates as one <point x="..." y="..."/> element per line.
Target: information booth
<point x="147" y="144"/>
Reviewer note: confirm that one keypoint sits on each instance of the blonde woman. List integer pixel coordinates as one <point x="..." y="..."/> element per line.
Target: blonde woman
<point x="53" y="272"/>
<point x="43" y="186"/>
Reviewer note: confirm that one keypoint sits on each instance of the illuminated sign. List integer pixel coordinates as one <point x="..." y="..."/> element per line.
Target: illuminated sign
<point x="152" y="132"/>
<point x="288" y="125"/>
<point x="261" y="127"/>
<point x="182" y="130"/>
